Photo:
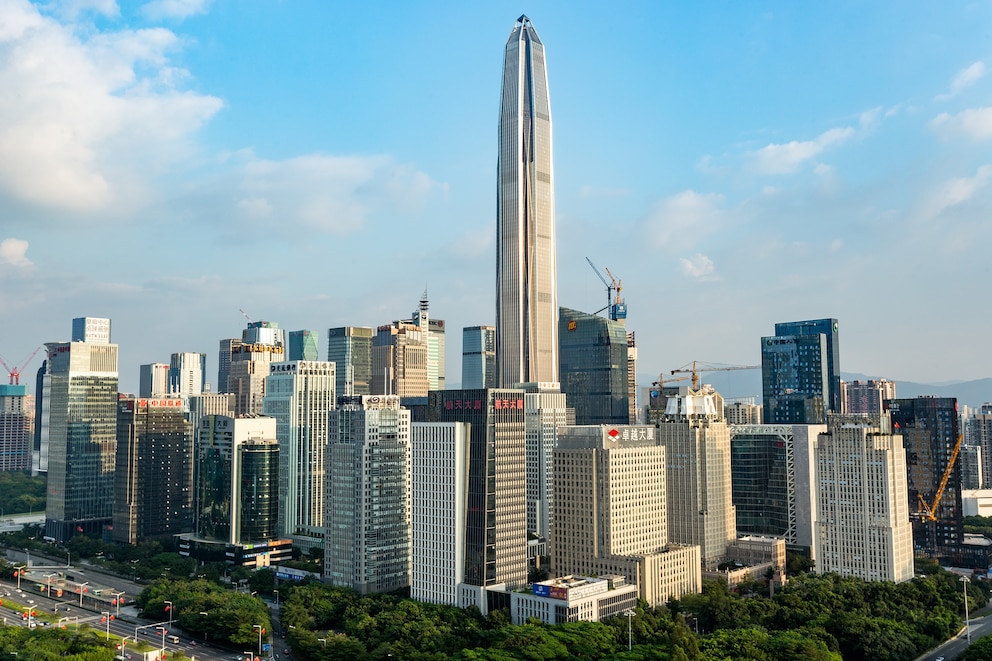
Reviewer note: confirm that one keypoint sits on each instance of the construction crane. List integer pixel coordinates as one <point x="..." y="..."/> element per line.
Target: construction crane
<point x="15" y="372"/>
<point x="245" y="315"/>
<point x="616" y="306"/>
<point x="927" y="512"/>
<point x="698" y="367"/>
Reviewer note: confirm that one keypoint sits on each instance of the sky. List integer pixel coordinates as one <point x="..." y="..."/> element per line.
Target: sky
<point x="171" y="163"/>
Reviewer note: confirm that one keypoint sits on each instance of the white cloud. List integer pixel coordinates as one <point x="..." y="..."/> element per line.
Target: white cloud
<point x="71" y="9"/>
<point x="84" y="123"/>
<point x="14" y="252"/>
<point x="963" y="79"/>
<point x="177" y="9"/>
<point x="678" y="222"/>
<point x="698" y="266"/>
<point x="588" y="190"/>
<point x="957" y="191"/>
<point x="789" y="157"/>
<point x="974" y="123"/>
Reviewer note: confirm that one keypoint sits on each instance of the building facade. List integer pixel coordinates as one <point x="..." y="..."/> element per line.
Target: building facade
<point x="367" y="513"/>
<point x="153" y="477"/>
<point x="800" y="372"/>
<point x="95" y="330"/>
<point x="526" y="268"/>
<point x="830" y="330"/>
<point x="862" y="525"/>
<point x="303" y="345"/>
<point x="573" y="599"/>
<point x="350" y="349"/>
<point x="188" y="373"/>
<point x="546" y="411"/>
<point x="82" y="443"/>
<point x="16" y="428"/>
<point x="262" y="344"/>
<point x="866" y="397"/>
<point x="153" y="380"/>
<point x="478" y="357"/>
<point x="594" y="368"/>
<point x="399" y="360"/>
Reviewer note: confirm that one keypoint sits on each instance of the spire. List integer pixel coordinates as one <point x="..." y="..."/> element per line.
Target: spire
<point x="423" y="301"/>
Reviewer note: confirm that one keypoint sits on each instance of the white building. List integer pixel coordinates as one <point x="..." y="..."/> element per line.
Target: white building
<point x="300" y="395"/>
<point x="573" y="598"/>
<point x="439" y="487"/>
<point x="188" y="373"/>
<point x="862" y="525"/>
<point x="153" y="380"/>
<point x="545" y="412"/>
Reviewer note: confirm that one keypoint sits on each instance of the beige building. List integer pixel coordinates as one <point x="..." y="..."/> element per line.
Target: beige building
<point x="399" y="360"/>
<point x="700" y="494"/>
<point x="862" y="525"/>
<point x="610" y="513"/>
<point x="866" y="396"/>
<point x="742" y="413"/>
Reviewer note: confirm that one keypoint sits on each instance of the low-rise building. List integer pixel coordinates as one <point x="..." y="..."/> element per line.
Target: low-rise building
<point x="573" y="598"/>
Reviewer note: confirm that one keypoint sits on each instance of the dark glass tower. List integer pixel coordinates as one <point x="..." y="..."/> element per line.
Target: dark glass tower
<point x="800" y="372"/>
<point x="593" y="368"/>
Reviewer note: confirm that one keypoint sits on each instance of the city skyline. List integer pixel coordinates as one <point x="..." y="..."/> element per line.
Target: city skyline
<point x="736" y="167"/>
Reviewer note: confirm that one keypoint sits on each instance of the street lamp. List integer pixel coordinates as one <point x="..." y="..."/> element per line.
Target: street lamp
<point x="168" y="609"/>
<point x="630" y="639"/>
<point x="204" y="614"/>
<point x="322" y="640"/>
<point x="82" y="588"/>
<point x="163" y="630"/>
<point x="249" y="655"/>
<point x="967" y="624"/>
<point x="260" y="632"/>
<point x="107" y="617"/>
<point x="19" y="569"/>
<point x="48" y="579"/>
<point x="118" y="598"/>
<point x="277" y="598"/>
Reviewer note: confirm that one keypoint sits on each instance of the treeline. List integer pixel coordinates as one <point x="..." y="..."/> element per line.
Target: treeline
<point x="813" y="618"/>
<point x="20" y="493"/>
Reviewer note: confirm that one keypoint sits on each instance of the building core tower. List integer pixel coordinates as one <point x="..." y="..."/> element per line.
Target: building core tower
<point x="526" y="272"/>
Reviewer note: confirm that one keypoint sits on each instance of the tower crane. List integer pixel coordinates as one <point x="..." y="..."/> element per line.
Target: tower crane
<point x="15" y="372"/>
<point x="698" y="367"/>
<point x="616" y="306"/>
<point x="928" y="511"/>
<point x="245" y="315"/>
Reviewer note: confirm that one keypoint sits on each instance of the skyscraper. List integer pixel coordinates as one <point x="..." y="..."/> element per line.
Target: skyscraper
<point x="435" y="343"/>
<point x="866" y="396"/>
<point x="526" y="272"/>
<point x="262" y="344"/>
<point x="16" y="427"/>
<point x="188" y="373"/>
<point x="82" y="429"/>
<point x="478" y="357"/>
<point x="594" y="368"/>
<point x="95" y="330"/>
<point x="399" y="360"/>
<point x="350" y="349"/>
<point x="303" y="345"/>
<point x="800" y="372"/>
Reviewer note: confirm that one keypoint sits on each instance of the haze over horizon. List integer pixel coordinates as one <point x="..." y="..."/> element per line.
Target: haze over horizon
<point x="167" y="163"/>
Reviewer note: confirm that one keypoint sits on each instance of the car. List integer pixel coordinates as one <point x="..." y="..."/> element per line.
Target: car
<point x="939" y="658"/>
<point x="286" y="652"/>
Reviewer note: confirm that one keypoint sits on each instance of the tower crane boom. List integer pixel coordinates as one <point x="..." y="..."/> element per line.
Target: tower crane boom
<point x="15" y="372"/>
<point x="698" y="367"/>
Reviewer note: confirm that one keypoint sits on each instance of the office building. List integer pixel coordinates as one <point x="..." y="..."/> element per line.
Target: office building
<point x="866" y="396"/>
<point x="237" y="484"/>
<point x="496" y="523"/>
<point x="771" y="471"/>
<point x="573" y="599"/>
<point x="594" y="368"/>
<point x="631" y="377"/>
<point x="478" y="357"/>
<point x="546" y="411"/>
<point x="188" y="373"/>
<point x="42" y="419"/>
<point x="153" y="380"/>
<point x="367" y="544"/>
<point x="971" y="467"/>
<point x="82" y="429"/>
<point x="800" y="372"/>
<point x="299" y="394"/>
<point x="862" y="525"/>
<point x="700" y="489"/>
<point x="227" y="348"/>
<point x="611" y="512"/>
<point x="526" y="271"/>
<point x="95" y="330"/>
<point x="979" y="429"/>
<point x="17" y="420"/>
<point x="303" y="345"/>
<point x="153" y="476"/>
<point x="929" y="429"/>
<point x="399" y="360"/>
<point x="438" y="510"/>
<point x="740" y="412"/>
<point x="262" y="344"/>
<point x="350" y="349"/>
<point x="435" y="343"/>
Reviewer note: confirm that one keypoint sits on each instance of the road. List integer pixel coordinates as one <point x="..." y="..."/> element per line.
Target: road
<point x="979" y="626"/>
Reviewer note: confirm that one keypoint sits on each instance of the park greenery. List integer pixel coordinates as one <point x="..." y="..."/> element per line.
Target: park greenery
<point x="20" y="493"/>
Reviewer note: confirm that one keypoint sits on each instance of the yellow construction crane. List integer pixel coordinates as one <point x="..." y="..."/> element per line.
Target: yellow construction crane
<point x="698" y="367"/>
<point x="927" y="511"/>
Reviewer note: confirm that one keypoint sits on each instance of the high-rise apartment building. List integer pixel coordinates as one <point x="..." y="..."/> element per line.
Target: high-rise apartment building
<point x="438" y="510"/>
<point x="929" y="429"/>
<point x="980" y="427"/>
<point x="399" y="360"/>
<point x="971" y="467"/>
<point x="350" y="349"/>
<point x="299" y="394"/>
<point x="496" y="523"/>
<point x="862" y="525"/>
<point x="367" y="545"/>
<point x="526" y="270"/>
<point x="82" y="431"/>
<point x="478" y="357"/>
<point x="188" y="373"/>
<point x="594" y="368"/>
<point x="262" y="344"/>
<point x="700" y="490"/>
<point x="771" y="470"/>
<point x="546" y="411"/>
<point x="866" y="396"/>
<point x="303" y="345"/>
<point x="237" y="484"/>
<point x="611" y="511"/>
<point x="800" y="372"/>
<point x="153" y="380"/>
<point x="16" y="427"/>
<point x="153" y="478"/>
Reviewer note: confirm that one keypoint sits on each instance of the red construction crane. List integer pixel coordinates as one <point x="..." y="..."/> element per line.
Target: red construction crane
<point x="15" y="372"/>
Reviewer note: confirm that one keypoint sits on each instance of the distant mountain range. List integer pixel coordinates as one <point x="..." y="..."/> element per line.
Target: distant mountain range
<point x="747" y="383"/>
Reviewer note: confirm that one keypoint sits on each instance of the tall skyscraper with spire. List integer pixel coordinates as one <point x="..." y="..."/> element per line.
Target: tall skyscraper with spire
<point x="526" y="272"/>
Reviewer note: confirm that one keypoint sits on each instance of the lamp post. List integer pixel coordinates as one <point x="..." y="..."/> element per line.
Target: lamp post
<point x="260" y="630"/>
<point x="18" y="570"/>
<point x="630" y="638"/>
<point x="322" y="640"/>
<point x="82" y="587"/>
<point x="118" y="598"/>
<point x="48" y="579"/>
<point x="168" y="609"/>
<point x="107" y="617"/>
<point x="163" y="630"/>
<point x="277" y="598"/>
<point x="204" y="614"/>
<point x="967" y="624"/>
<point x="249" y="655"/>
<point x="68" y="559"/>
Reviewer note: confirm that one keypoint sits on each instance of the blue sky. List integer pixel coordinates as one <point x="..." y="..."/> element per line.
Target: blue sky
<point x="319" y="164"/>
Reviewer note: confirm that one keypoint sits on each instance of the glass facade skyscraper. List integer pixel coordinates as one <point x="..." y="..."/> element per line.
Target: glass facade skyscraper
<point x="478" y="357"/>
<point x="526" y="271"/>
<point x="593" y="354"/>
<point x="800" y="372"/>
<point x="303" y="345"/>
<point x="350" y="349"/>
